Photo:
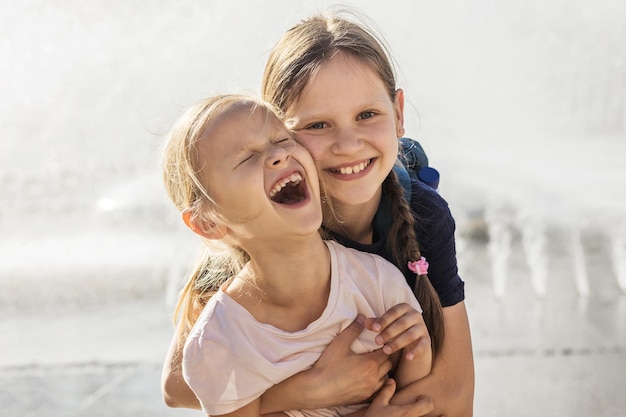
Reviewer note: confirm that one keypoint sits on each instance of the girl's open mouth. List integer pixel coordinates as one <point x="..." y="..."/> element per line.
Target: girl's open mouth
<point x="289" y="190"/>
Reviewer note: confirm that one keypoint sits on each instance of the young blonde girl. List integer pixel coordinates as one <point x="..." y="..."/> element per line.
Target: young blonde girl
<point x="241" y="180"/>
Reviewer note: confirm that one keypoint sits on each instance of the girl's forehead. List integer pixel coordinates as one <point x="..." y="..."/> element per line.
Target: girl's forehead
<point x="241" y="125"/>
<point x="341" y="70"/>
<point x="238" y="117"/>
<point x="343" y="79"/>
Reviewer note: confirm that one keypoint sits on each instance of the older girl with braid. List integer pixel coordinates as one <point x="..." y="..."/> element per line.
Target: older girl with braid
<point x="334" y="82"/>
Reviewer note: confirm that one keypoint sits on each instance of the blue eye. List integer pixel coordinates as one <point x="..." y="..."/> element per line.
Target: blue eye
<point x="318" y="125"/>
<point x="366" y="115"/>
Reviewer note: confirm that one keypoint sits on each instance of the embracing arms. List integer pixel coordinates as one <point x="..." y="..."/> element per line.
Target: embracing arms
<point x="343" y="377"/>
<point x="338" y="377"/>
<point x="380" y="407"/>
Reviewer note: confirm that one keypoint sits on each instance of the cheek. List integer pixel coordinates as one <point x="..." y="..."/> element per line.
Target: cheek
<point x="314" y="146"/>
<point x="387" y="140"/>
<point x="393" y="148"/>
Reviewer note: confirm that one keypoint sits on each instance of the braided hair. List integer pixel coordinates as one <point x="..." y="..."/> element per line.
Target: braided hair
<point x="403" y="246"/>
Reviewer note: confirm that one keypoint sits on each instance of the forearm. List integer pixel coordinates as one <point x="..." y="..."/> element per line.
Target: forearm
<point x="450" y="384"/>
<point x="454" y="400"/>
<point x="301" y="391"/>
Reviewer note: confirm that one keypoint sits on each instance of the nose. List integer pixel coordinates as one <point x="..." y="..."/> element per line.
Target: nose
<point x="277" y="155"/>
<point x="347" y="141"/>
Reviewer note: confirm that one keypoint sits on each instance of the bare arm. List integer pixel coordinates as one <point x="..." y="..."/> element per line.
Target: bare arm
<point x="411" y="369"/>
<point x="338" y="377"/>
<point x="451" y="381"/>
<point x="381" y="406"/>
<point x="176" y="392"/>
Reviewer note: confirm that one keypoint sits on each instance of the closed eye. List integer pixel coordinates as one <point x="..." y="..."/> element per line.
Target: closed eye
<point x="288" y="143"/>
<point x="284" y="140"/>
<point x="244" y="160"/>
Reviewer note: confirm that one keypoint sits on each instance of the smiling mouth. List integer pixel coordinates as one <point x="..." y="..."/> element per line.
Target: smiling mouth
<point x="289" y="190"/>
<point x="355" y="169"/>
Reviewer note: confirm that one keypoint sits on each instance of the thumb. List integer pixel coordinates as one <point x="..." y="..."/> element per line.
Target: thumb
<point x="350" y="333"/>
<point x="386" y="392"/>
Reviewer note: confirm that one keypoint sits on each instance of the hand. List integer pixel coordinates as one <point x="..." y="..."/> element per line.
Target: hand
<point x="350" y="378"/>
<point x="381" y="407"/>
<point x="401" y="327"/>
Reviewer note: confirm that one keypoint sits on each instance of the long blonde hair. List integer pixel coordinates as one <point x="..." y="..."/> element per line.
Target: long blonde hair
<point x="181" y="167"/>
<point x="292" y="62"/>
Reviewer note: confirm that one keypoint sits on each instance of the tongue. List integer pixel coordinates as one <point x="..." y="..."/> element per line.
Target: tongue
<point x="290" y="194"/>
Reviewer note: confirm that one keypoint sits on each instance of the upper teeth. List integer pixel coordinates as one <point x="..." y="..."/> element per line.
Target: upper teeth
<point x="354" y="169"/>
<point x="295" y="178"/>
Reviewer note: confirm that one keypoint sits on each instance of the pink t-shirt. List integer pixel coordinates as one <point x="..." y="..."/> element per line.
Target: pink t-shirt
<point x="230" y="358"/>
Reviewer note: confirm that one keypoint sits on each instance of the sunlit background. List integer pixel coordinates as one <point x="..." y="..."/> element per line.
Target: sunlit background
<point x="520" y="104"/>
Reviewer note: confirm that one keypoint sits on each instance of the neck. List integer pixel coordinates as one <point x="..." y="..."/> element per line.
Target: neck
<point x="285" y="272"/>
<point x="353" y="221"/>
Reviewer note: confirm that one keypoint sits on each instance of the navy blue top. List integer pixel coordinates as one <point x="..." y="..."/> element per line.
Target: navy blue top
<point x="434" y="228"/>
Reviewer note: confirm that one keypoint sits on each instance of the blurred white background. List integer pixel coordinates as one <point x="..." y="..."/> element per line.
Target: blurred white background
<point x="521" y="103"/>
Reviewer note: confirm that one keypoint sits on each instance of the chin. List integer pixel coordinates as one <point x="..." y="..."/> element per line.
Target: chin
<point x="353" y="195"/>
<point x="357" y="192"/>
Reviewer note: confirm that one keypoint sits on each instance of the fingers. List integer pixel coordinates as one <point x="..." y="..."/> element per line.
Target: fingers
<point x="396" y="321"/>
<point x="390" y="316"/>
<point x="379" y="356"/>
<point x="381" y="403"/>
<point x="384" y="363"/>
<point x="356" y="377"/>
<point x="376" y="366"/>
<point x="415" y="339"/>
<point x="344" y="340"/>
<point x="398" y="328"/>
<point x="419" y="348"/>
<point x="386" y="392"/>
<point x="422" y="406"/>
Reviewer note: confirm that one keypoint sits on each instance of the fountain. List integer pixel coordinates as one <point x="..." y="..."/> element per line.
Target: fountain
<point x="523" y="114"/>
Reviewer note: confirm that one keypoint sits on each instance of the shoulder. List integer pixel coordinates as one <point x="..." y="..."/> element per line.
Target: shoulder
<point x="428" y="205"/>
<point x="206" y="332"/>
<point x="345" y="257"/>
<point x="371" y="279"/>
<point x="426" y="195"/>
<point x="362" y="266"/>
<point x="343" y="254"/>
<point x="215" y="335"/>
<point x="215" y="351"/>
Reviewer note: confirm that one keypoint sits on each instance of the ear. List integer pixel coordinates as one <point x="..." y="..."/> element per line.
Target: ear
<point x="399" y="108"/>
<point x="203" y="227"/>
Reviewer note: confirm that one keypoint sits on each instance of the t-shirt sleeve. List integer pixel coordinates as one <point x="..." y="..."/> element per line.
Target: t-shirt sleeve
<point x="393" y="286"/>
<point x="221" y="381"/>
<point x="435" y="229"/>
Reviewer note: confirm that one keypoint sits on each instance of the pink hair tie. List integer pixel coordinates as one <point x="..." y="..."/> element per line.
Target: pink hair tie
<point x="420" y="267"/>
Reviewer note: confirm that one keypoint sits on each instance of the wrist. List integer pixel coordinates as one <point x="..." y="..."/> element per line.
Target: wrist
<point x="314" y="389"/>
